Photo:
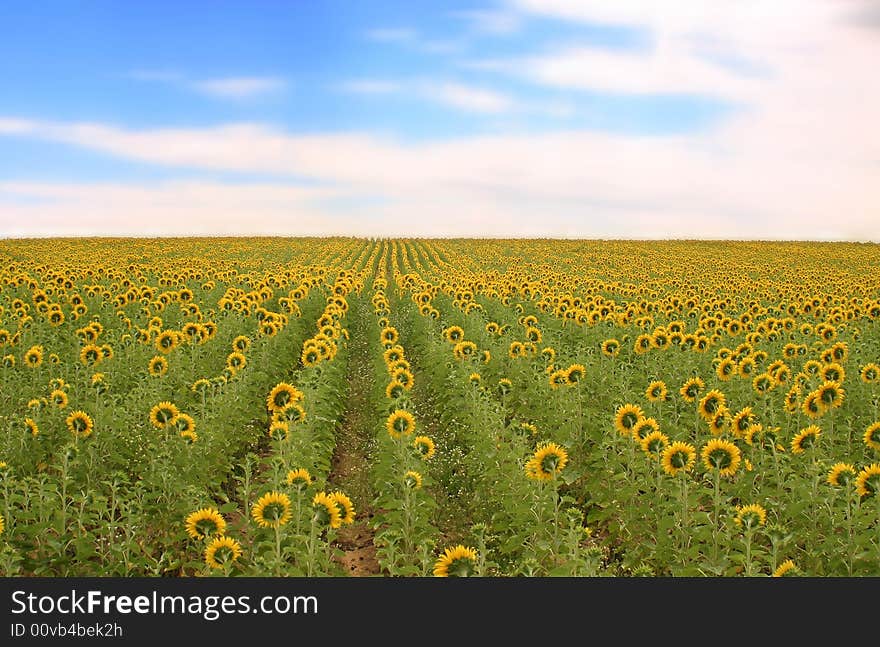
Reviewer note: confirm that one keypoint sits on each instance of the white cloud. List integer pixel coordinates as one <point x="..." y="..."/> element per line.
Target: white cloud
<point x="466" y="97"/>
<point x="491" y="21"/>
<point x="239" y="88"/>
<point x="574" y="183"/>
<point x="369" y="86"/>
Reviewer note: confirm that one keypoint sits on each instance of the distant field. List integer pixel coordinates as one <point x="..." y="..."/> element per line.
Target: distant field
<point x="415" y="407"/>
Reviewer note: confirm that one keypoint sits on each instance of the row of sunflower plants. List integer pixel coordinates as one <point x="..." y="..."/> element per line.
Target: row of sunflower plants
<point x="400" y="470"/>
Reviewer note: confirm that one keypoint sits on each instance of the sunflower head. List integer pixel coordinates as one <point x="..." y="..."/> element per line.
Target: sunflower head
<point x="547" y="462"/>
<point x="326" y="510"/>
<point x="412" y="479"/>
<point x="691" y="389"/>
<point x="841" y="474"/>
<point x="750" y="516"/>
<point x="575" y="373"/>
<point x="400" y="423"/>
<point x="721" y="455"/>
<point x="459" y="561"/>
<point x="204" y="523"/>
<point x="80" y="424"/>
<point x="805" y="439"/>
<point x="626" y="417"/>
<point x="222" y="552"/>
<point x="654" y="443"/>
<point x="299" y="478"/>
<point x="164" y="414"/>
<point x="678" y="458"/>
<point x="424" y="446"/>
<point x="786" y="569"/>
<point x="272" y="510"/>
<point x="868" y="480"/>
<point x="345" y="506"/>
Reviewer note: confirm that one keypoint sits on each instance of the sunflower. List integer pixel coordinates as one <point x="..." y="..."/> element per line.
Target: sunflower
<point x="59" y="398"/>
<point x="654" y="443"/>
<point x="742" y="421"/>
<point x="189" y="436"/>
<point x="812" y="405"/>
<point x="282" y="396"/>
<point x="346" y="507"/>
<point x="763" y="383"/>
<point x="221" y="551"/>
<point x="326" y="510"/>
<point x="626" y="417"/>
<point x="575" y="373"/>
<point x="204" y="523"/>
<point x="678" y="457"/>
<point x="389" y="335"/>
<point x="719" y="423"/>
<point x="872" y="436"/>
<point x="279" y="430"/>
<point x="164" y="414"/>
<point x="453" y="334"/>
<point x="201" y="385"/>
<point x="656" y="391"/>
<point x="832" y="372"/>
<point x="272" y="510"/>
<point x="400" y="423"/>
<point x="236" y="360"/>
<point x="394" y="390"/>
<point x="691" y="389"/>
<point x="505" y="386"/>
<point x="643" y="427"/>
<point x="610" y="348"/>
<point x="870" y="373"/>
<point x="424" y="446"/>
<point x="516" y="349"/>
<point x="474" y="378"/>
<point x="831" y="394"/>
<point x="299" y="478"/>
<point x="786" y="568"/>
<point x="841" y="474"/>
<point x="805" y="439"/>
<point x="80" y="424"/>
<point x="547" y="462"/>
<point x="241" y="343"/>
<point x="868" y="480"/>
<point x="158" y="366"/>
<point x="32" y="426"/>
<point x="459" y="561"/>
<point x="486" y="356"/>
<point x="711" y="403"/>
<point x="721" y="455"/>
<point x="557" y="378"/>
<point x="33" y="357"/>
<point x="184" y="422"/>
<point x="166" y="341"/>
<point x="750" y="516"/>
<point x="725" y="369"/>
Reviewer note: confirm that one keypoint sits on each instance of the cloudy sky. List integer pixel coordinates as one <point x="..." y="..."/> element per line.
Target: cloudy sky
<point x="551" y="118"/>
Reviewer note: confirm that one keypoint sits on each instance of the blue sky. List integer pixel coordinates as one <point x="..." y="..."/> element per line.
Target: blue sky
<point x="521" y="117"/>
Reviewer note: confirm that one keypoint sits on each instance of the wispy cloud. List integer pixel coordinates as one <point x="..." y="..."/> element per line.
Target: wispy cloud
<point x="594" y="184"/>
<point x="227" y="88"/>
<point x="369" y="86"/>
<point x="458" y="96"/>
<point x="411" y="39"/>
<point x="240" y="87"/>
<point x="466" y="97"/>
<point x="492" y="21"/>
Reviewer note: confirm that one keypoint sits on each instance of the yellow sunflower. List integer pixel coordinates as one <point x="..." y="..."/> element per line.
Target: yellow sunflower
<point x="282" y="396"/>
<point x="459" y="561"/>
<point x="841" y="474"/>
<point x="656" y="391"/>
<point x="346" y="507"/>
<point x="204" y="523"/>
<point x="80" y="424"/>
<point x="547" y="462"/>
<point x="424" y="446"/>
<point x="400" y="423"/>
<point x="221" y="551"/>
<point x="299" y="478"/>
<point x="626" y="417"/>
<point x="272" y="510"/>
<point x="805" y="439"/>
<point x="750" y="516"/>
<point x="326" y="510"/>
<point x="691" y="389"/>
<point x="868" y="480"/>
<point x="721" y="455"/>
<point x="678" y="457"/>
<point x="164" y="414"/>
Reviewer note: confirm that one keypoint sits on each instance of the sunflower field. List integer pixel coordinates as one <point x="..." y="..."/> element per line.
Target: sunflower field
<point x="438" y="407"/>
